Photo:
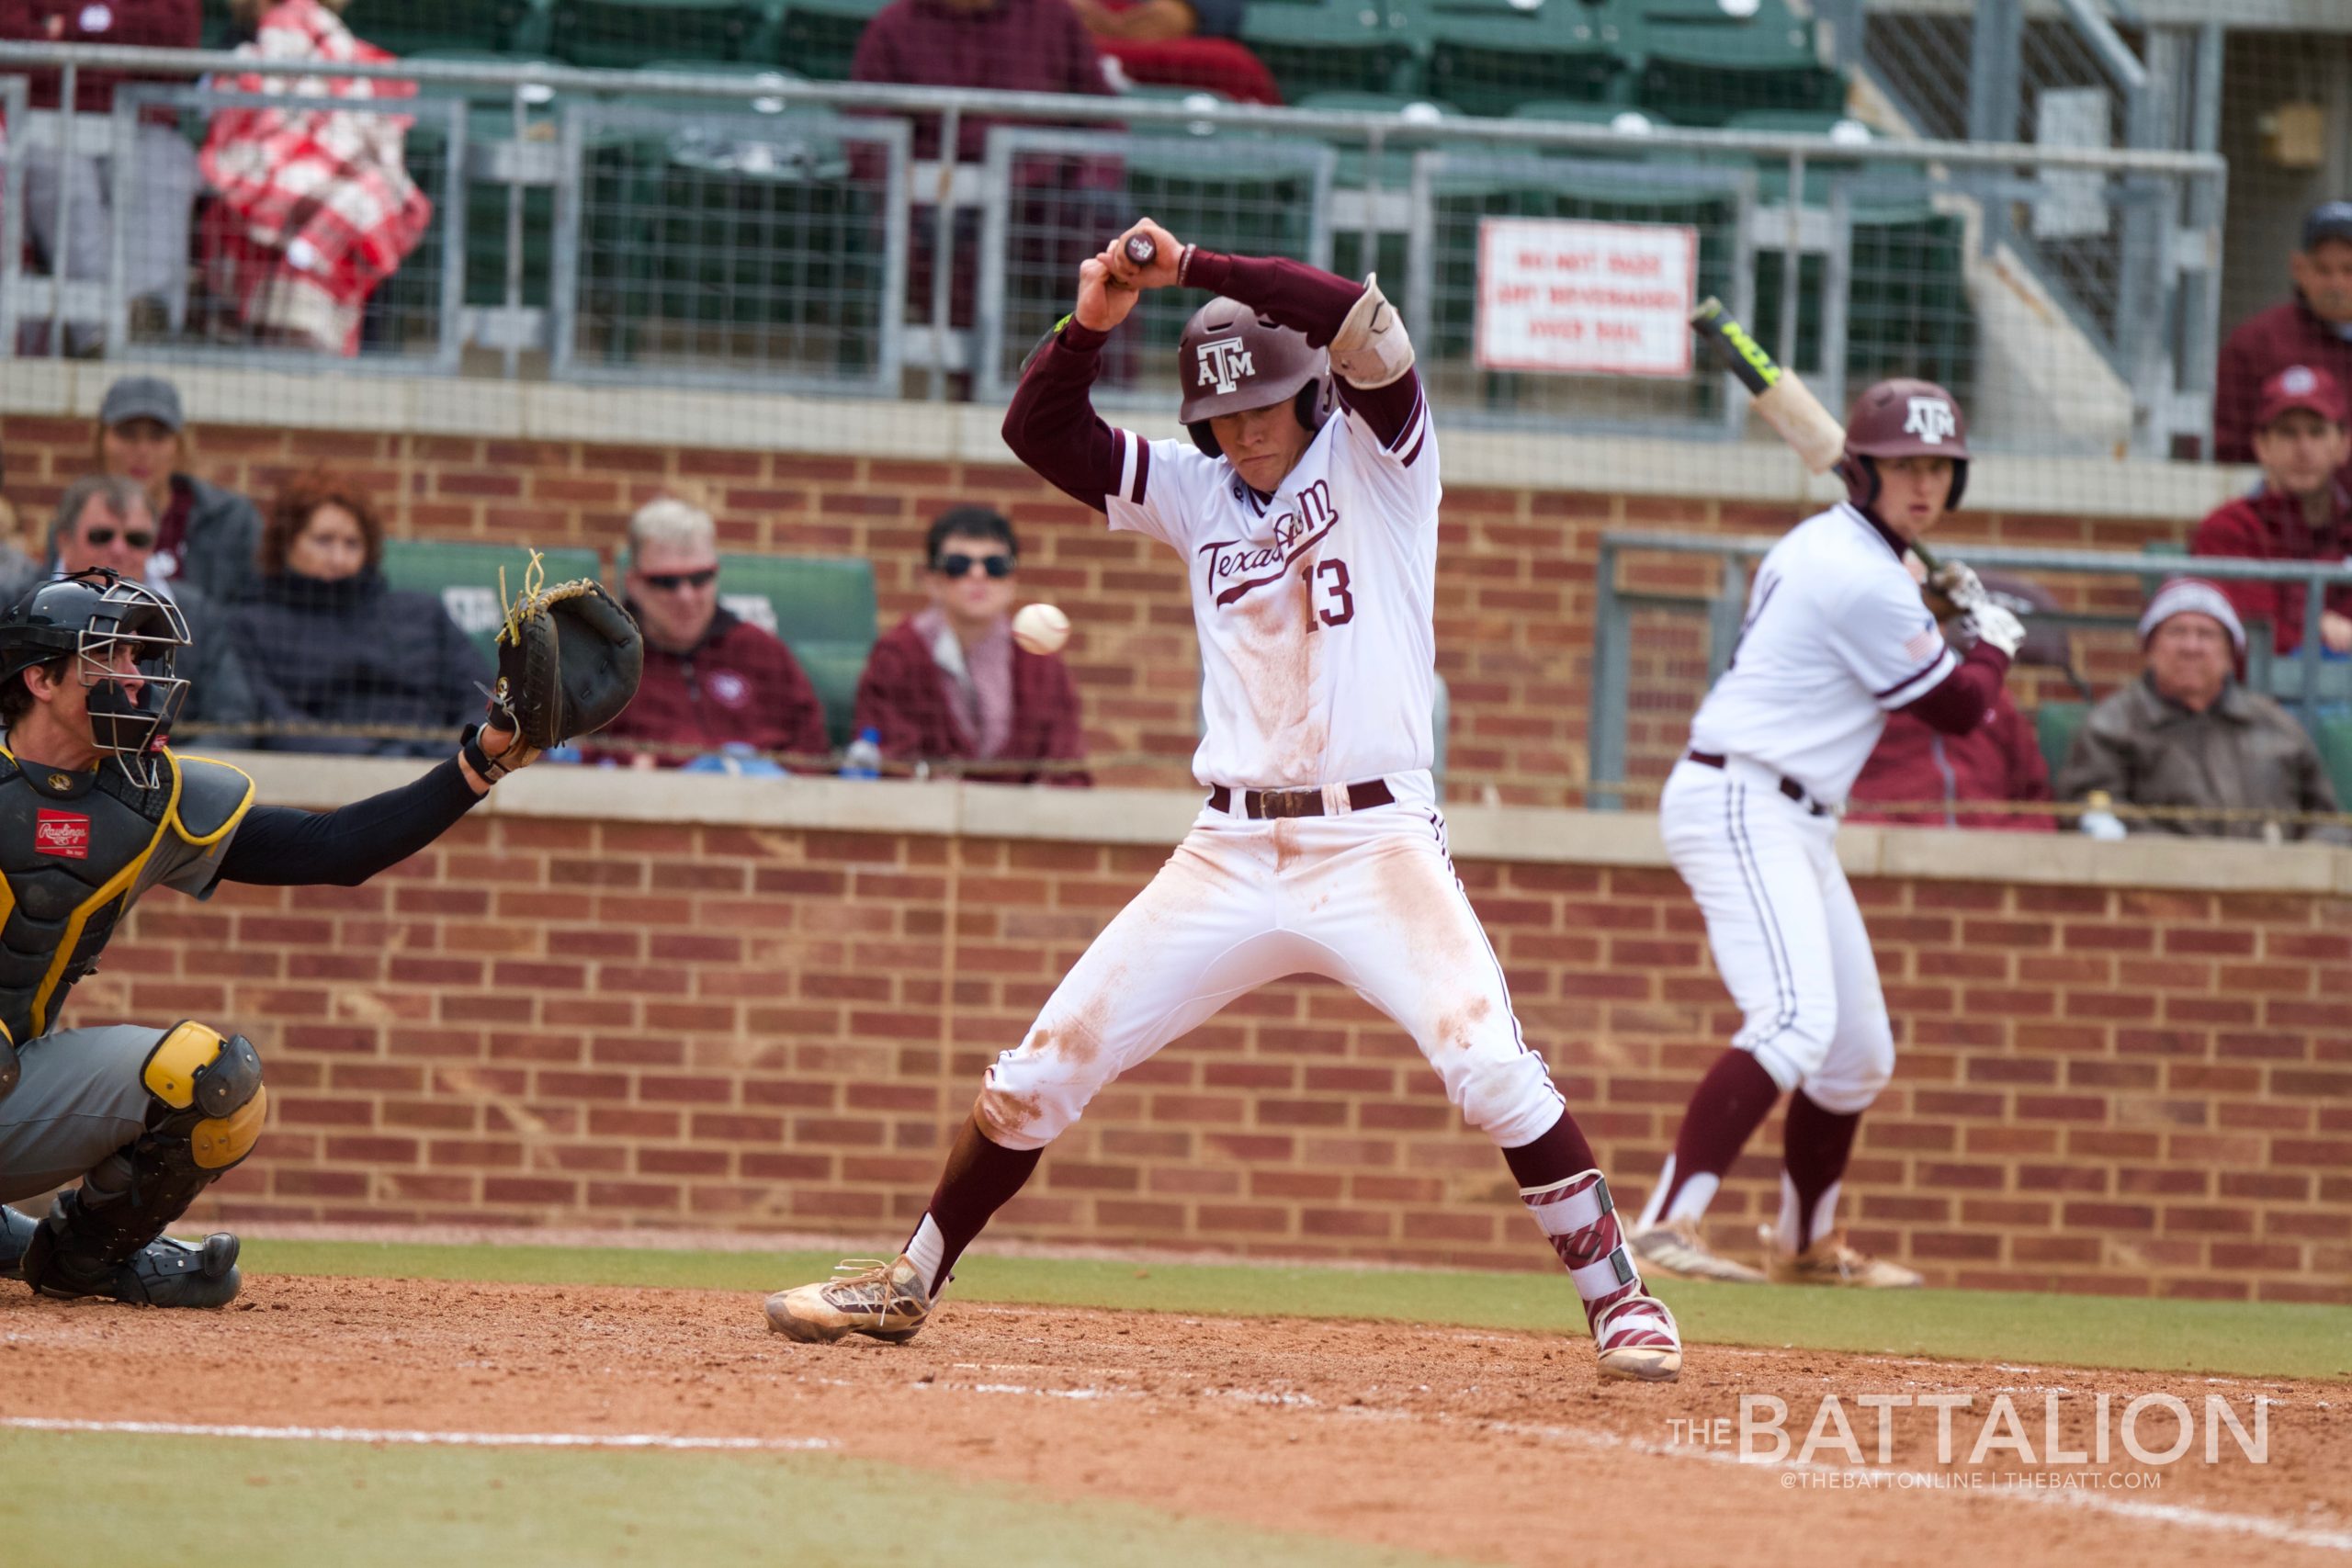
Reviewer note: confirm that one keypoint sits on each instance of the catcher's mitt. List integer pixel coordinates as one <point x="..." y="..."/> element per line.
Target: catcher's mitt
<point x="569" y="661"/>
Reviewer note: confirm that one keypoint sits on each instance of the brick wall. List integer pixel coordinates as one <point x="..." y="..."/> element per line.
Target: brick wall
<point x="545" y="1021"/>
<point x="1515" y="580"/>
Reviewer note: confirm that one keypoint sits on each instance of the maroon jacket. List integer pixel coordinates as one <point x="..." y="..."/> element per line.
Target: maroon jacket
<point x="903" y="694"/>
<point x="1016" y="46"/>
<point x="738" y="684"/>
<point x="153" y="24"/>
<point x="2268" y="525"/>
<point x="1998" y="760"/>
<point x="2264" y="345"/>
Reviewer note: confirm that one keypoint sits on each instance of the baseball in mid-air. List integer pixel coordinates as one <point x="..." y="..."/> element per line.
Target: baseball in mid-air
<point x="1040" y="628"/>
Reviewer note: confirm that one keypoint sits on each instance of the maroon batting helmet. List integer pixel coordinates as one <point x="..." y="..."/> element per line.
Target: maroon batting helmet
<point x="1233" y="360"/>
<point x="1903" y="418"/>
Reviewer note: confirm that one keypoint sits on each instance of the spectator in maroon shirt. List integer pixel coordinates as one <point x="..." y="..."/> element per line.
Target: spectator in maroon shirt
<point x="712" y="678"/>
<point x="164" y="180"/>
<point x="1181" y="43"/>
<point x="949" y="683"/>
<point x="2303" y="511"/>
<point x="2314" y="328"/>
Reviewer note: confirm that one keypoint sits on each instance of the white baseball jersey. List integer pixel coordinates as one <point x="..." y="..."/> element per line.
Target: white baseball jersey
<point x="1313" y="607"/>
<point x="1836" y="638"/>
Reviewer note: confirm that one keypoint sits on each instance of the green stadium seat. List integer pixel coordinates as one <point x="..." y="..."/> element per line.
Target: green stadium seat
<point x="1493" y="58"/>
<point x="819" y="38"/>
<point x="417" y="27"/>
<point x="465" y="578"/>
<point x="823" y="608"/>
<point x="2054" y="725"/>
<point x="619" y="36"/>
<point x="1337" y="46"/>
<point x="1908" y="312"/>
<point x="1702" y="73"/>
<point x="2333" y="734"/>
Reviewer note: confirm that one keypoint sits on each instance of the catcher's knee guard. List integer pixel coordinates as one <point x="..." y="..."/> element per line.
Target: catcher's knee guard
<point x="209" y="1104"/>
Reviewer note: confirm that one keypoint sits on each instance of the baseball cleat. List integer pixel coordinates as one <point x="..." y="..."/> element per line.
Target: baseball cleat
<point x="163" y="1273"/>
<point x="1637" y="1339"/>
<point x="865" y="1295"/>
<point x="1677" y="1251"/>
<point x="1832" y="1262"/>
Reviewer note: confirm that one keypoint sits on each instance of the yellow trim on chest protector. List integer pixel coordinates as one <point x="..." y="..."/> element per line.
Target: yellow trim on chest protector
<point x="120" y="882"/>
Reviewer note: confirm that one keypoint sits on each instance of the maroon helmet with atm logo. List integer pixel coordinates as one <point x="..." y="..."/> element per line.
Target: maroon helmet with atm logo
<point x="1232" y="359"/>
<point x="1903" y="418"/>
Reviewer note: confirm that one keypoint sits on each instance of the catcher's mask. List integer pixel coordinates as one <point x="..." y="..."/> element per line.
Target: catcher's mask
<point x="1903" y="418"/>
<point x="92" y="617"/>
<point x="1232" y="359"/>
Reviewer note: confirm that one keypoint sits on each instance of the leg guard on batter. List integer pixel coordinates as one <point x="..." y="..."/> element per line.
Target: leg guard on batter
<point x="209" y="1108"/>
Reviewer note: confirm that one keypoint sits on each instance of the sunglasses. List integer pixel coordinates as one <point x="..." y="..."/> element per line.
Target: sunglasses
<point x="137" y="538"/>
<point x="961" y="565"/>
<point x="670" y="582"/>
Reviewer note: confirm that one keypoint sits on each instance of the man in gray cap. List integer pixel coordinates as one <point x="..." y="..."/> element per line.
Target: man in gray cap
<point x="204" y="535"/>
<point x="2314" y="328"/>
<point x="2186" y="734"/>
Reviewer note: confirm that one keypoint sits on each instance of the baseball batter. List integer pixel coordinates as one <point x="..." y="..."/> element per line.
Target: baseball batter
<point x="1836" y="638"/>
<point x="1305" y="507"/>
<point x="94" y="812"/>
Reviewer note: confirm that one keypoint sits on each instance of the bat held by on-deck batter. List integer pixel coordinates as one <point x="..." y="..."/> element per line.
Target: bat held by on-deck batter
<point x="1786" y="404"/>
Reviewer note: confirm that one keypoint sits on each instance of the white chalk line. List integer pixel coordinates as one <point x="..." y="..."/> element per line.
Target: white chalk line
<point x="449" y="1439"/>
<point x="2180" y="1513"/>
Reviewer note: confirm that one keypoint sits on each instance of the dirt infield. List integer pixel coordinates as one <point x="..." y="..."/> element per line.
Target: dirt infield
<point x="1491" y="1447"/>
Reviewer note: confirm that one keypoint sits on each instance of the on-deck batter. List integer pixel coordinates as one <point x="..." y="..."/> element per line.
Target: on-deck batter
<point x="1306" y="509"/>
<point x="1836" y="638"/>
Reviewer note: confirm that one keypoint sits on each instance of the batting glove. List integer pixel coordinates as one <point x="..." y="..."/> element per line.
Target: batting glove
<point x="1957" y="582"/>
<point x="1992" y="624"/>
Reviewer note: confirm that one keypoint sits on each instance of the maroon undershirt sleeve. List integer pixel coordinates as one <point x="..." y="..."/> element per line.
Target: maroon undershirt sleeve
<point x="1052" y="425"/>
<point x="1315" y="302"/>
<point x="1958" y="702"/>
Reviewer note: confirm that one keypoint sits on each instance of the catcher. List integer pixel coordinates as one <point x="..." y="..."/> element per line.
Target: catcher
<point x="95" y="810"/>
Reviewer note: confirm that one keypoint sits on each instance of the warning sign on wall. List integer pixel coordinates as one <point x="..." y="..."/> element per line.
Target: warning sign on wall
<point x="1596" y="299"/>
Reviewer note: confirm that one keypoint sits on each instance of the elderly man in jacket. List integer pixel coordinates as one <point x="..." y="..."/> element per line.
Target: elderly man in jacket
<point x="2188" y="735"/>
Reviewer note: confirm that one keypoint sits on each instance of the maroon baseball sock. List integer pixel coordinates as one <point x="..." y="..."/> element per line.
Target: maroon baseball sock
<point x="1554" y="1156"/>
<point x="1815" y="1161"/>
<point x="981" y="1177"/>
<point x="1729" y="1104"/>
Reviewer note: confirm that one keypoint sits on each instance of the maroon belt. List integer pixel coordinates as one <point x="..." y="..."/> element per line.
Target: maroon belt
<point x="1789" y="787"/>
<point x="1265" y="805"/>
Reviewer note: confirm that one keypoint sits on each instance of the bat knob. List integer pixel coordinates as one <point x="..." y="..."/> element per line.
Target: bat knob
<point x="1141" y="250"/>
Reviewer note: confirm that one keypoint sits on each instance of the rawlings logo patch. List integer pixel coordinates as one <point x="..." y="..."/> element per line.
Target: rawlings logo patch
<point x="65" y="834"/>
<point x="1222" y="362"/>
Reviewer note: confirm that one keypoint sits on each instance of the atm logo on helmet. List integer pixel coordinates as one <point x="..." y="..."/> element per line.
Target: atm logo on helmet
<point x="1224" y="363"/>
<point x="1932" y="421"/>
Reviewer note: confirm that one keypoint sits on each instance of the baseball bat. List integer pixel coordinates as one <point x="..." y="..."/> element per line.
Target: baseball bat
<point x="1786" y="404"/>
<point x="1141" y="250"/>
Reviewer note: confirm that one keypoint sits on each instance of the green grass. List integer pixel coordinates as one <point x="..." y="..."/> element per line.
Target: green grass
<point x="274" y="1504"/>
<point x="2250" y="1339"/>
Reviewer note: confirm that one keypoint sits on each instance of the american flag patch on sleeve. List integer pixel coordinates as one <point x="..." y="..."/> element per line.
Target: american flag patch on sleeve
<point x="1924" y="642"/>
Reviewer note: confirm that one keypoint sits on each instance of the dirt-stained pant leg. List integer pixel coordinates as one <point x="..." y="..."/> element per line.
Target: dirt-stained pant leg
<point x="79" y="1104"/>
<point x="1377" y="893"/>
<point x="1200" y="934"/>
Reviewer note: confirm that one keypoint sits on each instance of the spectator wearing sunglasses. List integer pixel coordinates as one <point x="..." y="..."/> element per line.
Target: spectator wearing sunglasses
<point x="712" y="678"/>
<point x="103" y="521"/>
<point x="949" y="685"/>
<point x="338" y="658"/>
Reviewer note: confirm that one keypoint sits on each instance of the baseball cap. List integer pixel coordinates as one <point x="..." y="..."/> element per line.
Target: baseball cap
<point x="2328" y="220"/>
<point x="2186" y="595"/>
<point x="143" y="397"/>
<point x="2300" y="387"/>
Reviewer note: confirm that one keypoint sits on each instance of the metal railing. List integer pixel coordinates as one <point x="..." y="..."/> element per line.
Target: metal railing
<point x="1613" y="609"/>
<point x="1843" y="289"/>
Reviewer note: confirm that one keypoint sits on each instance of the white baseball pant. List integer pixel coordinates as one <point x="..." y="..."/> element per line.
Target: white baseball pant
<point x="1368" y="899"/>
<point x="1787" y="935"/>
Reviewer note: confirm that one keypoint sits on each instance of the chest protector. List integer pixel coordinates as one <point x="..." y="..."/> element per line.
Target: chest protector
<point x="77" y="848"/>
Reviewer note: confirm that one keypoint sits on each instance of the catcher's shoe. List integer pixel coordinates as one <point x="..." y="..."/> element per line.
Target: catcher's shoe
<point x="163" y="1273"/>
<point x="1677" y="1251"/>
<point x="1832" y="1262"/>
<point x="1636" y="1337"/>
<point x="865" y="1295"/>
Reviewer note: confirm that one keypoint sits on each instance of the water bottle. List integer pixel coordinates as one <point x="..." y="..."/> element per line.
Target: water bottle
<point x="864" y="758"/>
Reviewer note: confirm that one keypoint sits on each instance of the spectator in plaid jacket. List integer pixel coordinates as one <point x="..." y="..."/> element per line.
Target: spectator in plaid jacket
<point x="320" y="207"/>
<point x="949" y="683"/>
